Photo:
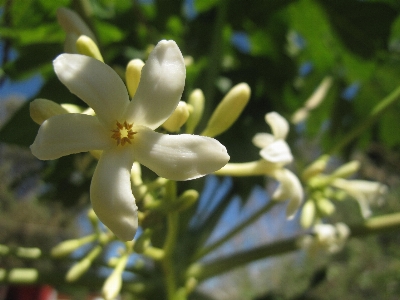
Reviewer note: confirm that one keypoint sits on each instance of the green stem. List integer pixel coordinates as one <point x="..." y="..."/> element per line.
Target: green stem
<point x="201" y="272"/>
<point x="251" y="219"/>
<point x="169" y="246"/>
<point x="374" y="115"/>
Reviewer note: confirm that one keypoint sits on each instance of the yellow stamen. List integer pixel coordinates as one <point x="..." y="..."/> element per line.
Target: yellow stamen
<point x="123" y="133"/>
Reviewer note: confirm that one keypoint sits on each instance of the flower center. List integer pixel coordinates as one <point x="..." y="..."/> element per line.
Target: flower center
<point x="123" y="133"/>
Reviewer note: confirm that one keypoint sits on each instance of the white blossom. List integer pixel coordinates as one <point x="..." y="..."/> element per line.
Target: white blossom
<point x="274" y="148"/>
<point x="124" y="131"/>
<point x="326" y="237"/>
<point x="365" y="192"/>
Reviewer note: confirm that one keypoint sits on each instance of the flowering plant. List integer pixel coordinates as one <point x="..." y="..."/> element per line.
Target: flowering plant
<point x="166" y="157"/>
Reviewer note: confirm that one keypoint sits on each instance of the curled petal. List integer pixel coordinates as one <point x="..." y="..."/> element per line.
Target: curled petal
<point x="95" y="83"/>
<point x="111" y="193"/>
<point x="278" y="152"/>
<point x="262" y="140"/>
<point x="279" y="125"/>
<point x="289" y="188"/>
<point x="160" y="87"/>
<point x="178" y="157"/>
<point x="66" y="134"/>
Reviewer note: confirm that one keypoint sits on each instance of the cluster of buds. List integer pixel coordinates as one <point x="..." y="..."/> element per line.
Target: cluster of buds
<point x="323" y="188"/>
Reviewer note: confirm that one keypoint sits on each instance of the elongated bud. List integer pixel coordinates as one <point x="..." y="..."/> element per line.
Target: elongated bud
<point x="132" y="75"/>
<point x="346" y="170"/>
<point x="325" y="207"/>
<point x="300" y="115"/>
<point x="196" y="100"/>
<point x="228" y="110"/>
<point x="177" y="118"/>
<point x="316" y="167"/>
<point x="320" y="93"/>
<point x="186" y="200"/>
<point x="112" y="285"/>
<point x="23" y="275"/>
<point x="86" y="46"/>
<point x="42" y="109"/>
<point x="308" y="214"/>
<point x="80" y="268"/>
<point x="69" y="246"/>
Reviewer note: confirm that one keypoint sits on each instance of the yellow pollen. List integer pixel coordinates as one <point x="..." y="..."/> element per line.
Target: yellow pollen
<point x="123" y="133"/>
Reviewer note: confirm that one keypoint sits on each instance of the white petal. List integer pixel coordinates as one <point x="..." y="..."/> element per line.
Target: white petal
<point x="279" y="125"/>
<point x="178" y="157"/>
<point x="262" y="140"/>
<point x="289" y="188"/>
<point x="111" y="193"/>
<point x="278" y="152"/>
<point x="96" y="84"/>
<point x="160" y="87"/>
<point x="70" y="133"/>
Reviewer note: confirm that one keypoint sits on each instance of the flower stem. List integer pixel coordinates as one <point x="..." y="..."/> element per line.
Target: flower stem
<point x="252" y="218"/>
<point x="201" y="272"/>
<point x="169" y="246"/>
<point x="375" y="113"/>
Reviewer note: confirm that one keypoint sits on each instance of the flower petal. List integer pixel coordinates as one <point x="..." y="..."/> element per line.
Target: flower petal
<point x="111" y="193"/>
<point x="289" y="188"/>
<point x="70" y="133"/>
<point x="160" y="87"/>
<point x="178" y="157"/>
<point x="262" y="140"/>
<point x="278" y="152"/>
<point x="279" y="125"/>
<point x="96" y="84"/>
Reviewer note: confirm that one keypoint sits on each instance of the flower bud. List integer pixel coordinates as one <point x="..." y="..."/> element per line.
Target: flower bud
<point x="228" y="110"/>
<point x="42" y="109"/>
<point x="23" y="275"/>
<point x="86" y="46"/>
<point x="325" y="207"/>
<point x="196" y="100"/>
<point x="316" y="167"/>
<point x="112" y="285"/>
<point x="177" y="118"/>
<point x="132" y="75"/>
<point x="308" y="214"/>
<point x="346" y="170"/>
<point x="69" y="246"/>
<point x="80" y="268"/>
<point x="186" y="200"/>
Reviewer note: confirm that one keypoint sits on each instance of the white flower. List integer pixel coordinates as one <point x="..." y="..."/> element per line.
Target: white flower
<point x="289" y="188"/>
<point x="274" y="148"/>
<point x="326" y="237"/>
<point x="365" y="192"/>
<point x="124" y="131"/>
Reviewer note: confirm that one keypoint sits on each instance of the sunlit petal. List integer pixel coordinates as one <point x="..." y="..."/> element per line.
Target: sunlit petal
<point x="279" y="125"/>
<point x="262" y="140"/>
<point x="95" y="83"/>
<point x="70" y="133"/>
<point x="178" y="157"/>
<point x="160" y="87"/>
<point x="277" y="152"/>
<point x="111" y="193"/>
